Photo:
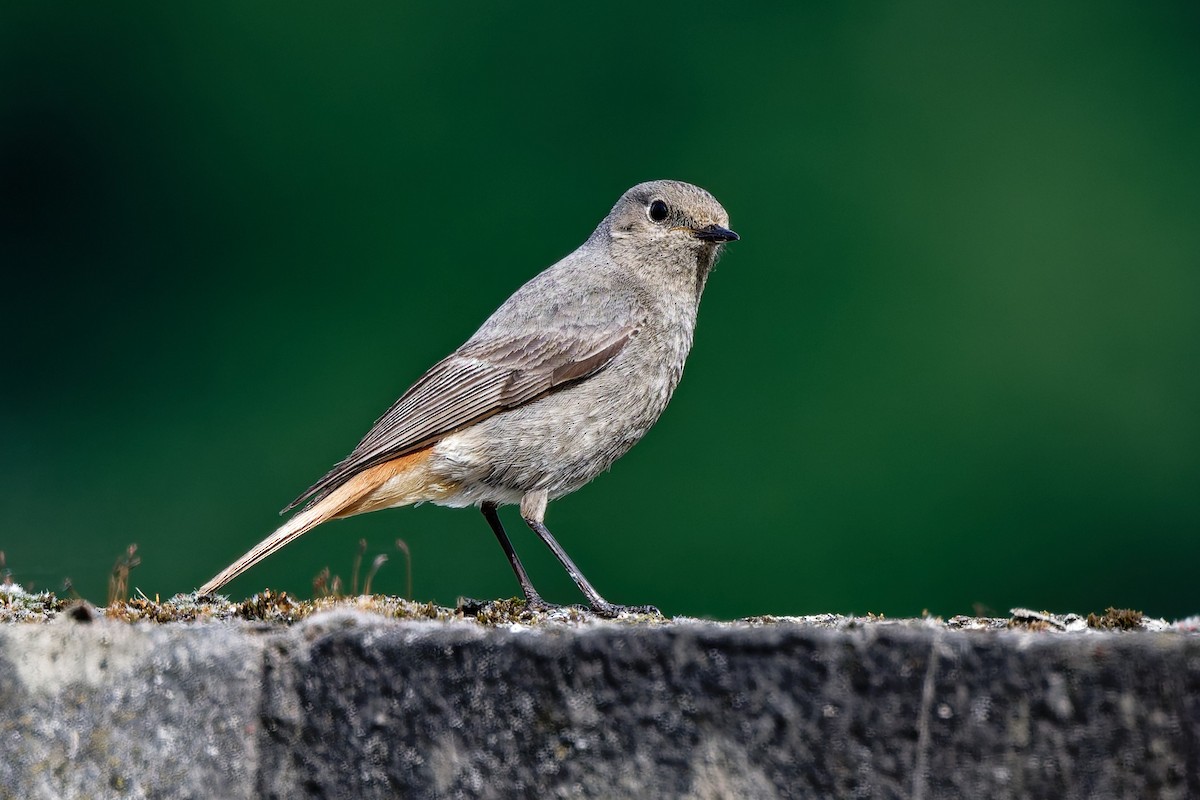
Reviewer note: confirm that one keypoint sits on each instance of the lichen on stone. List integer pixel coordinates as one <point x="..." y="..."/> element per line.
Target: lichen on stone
<point x="19" y="605"/>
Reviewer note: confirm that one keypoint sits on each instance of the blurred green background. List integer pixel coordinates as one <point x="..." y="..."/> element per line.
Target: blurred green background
<point x="954" y="363"/>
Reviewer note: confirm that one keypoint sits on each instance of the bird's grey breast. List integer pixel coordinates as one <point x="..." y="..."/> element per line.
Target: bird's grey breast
<point x="574" y="432"/>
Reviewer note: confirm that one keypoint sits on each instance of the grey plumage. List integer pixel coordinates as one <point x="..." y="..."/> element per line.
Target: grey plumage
<point x="561" y="380"/>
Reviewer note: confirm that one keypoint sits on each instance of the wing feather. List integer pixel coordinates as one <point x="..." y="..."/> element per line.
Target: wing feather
<point x="478" y="380"/>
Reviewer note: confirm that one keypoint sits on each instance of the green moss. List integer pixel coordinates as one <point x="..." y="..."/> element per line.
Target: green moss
<point x="1120" y="619"/>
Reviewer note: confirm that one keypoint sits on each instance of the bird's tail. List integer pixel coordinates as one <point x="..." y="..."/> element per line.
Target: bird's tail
<point x="333" y="505"/>
<point x="401" y="481"/>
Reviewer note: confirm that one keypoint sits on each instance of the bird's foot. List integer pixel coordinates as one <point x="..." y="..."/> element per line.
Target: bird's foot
<point x="613" y="610"/>
<point x="536" y="604"/>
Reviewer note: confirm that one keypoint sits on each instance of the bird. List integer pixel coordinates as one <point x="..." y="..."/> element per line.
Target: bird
<point x="560" y="381"/>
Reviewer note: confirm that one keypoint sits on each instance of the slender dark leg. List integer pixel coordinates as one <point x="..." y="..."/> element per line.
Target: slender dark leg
<point x="532" y="598"/>
<point x="598" y="603"/>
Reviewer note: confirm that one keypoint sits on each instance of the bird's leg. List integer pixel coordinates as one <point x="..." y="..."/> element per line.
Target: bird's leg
<point x="532" y="599"/>
<point x="533" y="509"/>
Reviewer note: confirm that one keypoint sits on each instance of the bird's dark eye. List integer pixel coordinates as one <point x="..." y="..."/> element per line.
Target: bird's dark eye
<point x="658" y="211"/>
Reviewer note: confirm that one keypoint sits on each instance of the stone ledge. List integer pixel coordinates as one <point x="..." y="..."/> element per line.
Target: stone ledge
<point x="348" y="704"/>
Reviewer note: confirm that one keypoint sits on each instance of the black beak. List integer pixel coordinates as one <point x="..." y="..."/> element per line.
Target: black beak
<point x="715" y="233"/>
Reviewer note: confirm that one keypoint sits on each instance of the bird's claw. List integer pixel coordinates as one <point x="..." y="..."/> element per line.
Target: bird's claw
<point x="613" y="610"/>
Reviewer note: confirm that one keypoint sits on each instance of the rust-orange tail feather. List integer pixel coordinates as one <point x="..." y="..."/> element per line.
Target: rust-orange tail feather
<point x="295" y="527"/>
<point x="366" y="491"/>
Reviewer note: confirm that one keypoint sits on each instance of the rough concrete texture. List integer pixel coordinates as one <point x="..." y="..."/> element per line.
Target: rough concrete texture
<point x="113" y="710"/>
<point x="347" y="704"/>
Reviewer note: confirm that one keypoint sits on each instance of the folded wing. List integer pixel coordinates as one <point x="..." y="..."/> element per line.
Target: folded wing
<point x="477" y="381"/>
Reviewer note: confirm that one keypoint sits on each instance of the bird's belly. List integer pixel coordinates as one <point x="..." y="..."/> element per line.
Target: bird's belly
<point x="557" y="443"/>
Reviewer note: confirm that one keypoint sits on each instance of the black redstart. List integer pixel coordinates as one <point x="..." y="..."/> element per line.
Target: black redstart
<point x="557" y="384"/>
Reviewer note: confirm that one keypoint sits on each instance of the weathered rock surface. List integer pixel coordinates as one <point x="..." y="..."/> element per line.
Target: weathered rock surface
<point x="347" y="704"/>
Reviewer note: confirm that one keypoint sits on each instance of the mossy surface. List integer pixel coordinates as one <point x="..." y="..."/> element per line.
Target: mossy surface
<point x="280" y="608"/>
<point x="18" y="605"/>
<point x="1121" y="619"/>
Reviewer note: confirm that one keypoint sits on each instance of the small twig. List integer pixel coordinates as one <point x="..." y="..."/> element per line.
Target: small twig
<point x="118" y="580"/>
<point x="321" y="583"/>
<point x="379" y="561"/>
